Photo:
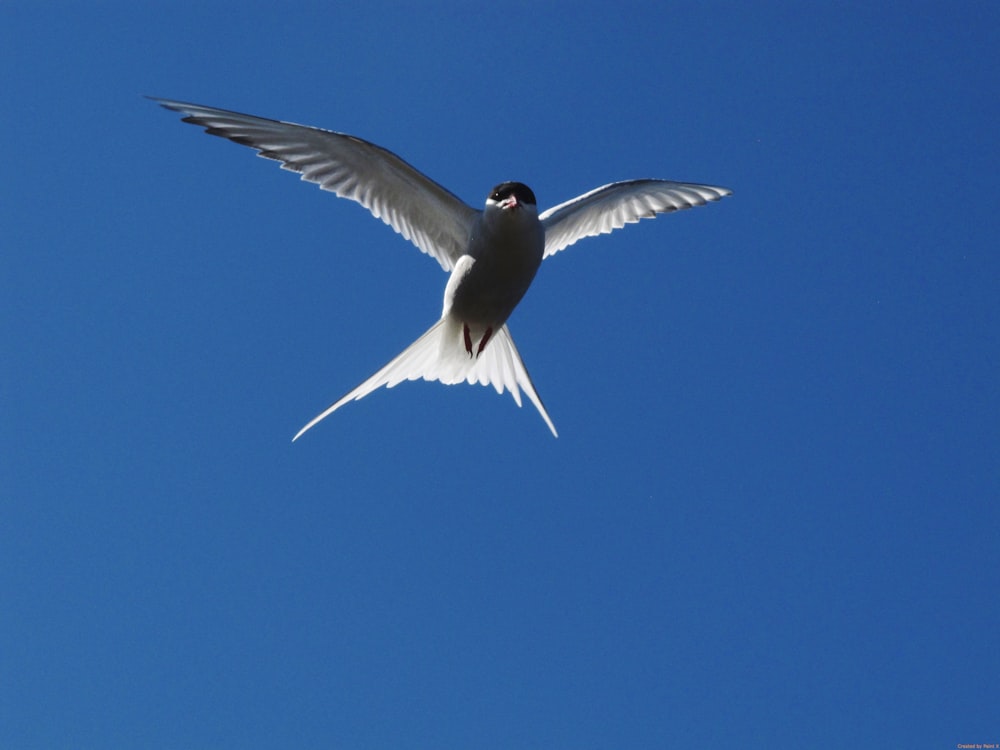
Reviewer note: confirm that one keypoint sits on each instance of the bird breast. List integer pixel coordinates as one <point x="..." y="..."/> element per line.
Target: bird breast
<point x="503" y="260"/>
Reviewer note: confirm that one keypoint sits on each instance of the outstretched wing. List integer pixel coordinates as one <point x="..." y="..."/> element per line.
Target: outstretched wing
<point x="428" y="215"/>
<point x="613" y="206"/>
<point x="439" y="354"/>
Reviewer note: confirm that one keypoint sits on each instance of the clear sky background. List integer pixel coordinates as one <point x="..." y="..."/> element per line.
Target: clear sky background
<point x="771" y="517"/>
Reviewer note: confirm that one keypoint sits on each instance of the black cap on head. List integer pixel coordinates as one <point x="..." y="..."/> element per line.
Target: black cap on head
<point x="518" y="189"/>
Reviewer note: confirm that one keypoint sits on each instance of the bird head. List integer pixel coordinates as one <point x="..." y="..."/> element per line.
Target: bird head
<point x="511" y="196"/>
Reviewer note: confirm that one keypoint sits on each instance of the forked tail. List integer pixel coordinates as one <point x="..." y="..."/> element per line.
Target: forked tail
<point x="439" y="354"/>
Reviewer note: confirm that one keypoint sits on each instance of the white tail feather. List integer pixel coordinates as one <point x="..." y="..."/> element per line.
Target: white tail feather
<point x="439" y="354"/>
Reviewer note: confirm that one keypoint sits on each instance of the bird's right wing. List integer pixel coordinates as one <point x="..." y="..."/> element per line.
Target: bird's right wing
<point x="613" y="206"/>
<point x="431" y="217"/>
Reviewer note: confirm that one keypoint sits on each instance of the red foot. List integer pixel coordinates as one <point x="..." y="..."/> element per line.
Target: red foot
<point x="482" y="344"/>
<point x="468" y="340"/>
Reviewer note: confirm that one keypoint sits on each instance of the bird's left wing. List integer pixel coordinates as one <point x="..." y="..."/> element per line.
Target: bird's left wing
<point x="613" y="206"/>
<point x="431" y="217"/>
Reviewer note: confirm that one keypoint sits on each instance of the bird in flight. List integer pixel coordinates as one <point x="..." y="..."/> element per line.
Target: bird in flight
<point x="492" y="254"/>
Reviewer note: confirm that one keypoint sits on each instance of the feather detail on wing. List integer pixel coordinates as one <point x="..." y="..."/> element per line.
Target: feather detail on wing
<point x="421" y="210"/>
<point x="611" y="207"/>
<point x="439" y="354"/>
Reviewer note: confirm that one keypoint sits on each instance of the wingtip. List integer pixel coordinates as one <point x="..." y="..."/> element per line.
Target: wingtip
<point x="170" y="104"/>
<point x="715" y="192"/>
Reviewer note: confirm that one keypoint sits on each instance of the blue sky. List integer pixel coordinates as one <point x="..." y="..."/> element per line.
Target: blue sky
<point x="770" y="519"/>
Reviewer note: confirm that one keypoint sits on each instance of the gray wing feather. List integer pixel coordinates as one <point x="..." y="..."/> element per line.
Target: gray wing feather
<point x="424" y="212"/>
<point x="613" y="206"/>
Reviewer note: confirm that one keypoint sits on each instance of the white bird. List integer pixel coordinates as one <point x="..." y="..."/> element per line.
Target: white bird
<point x="492" y="254"/>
